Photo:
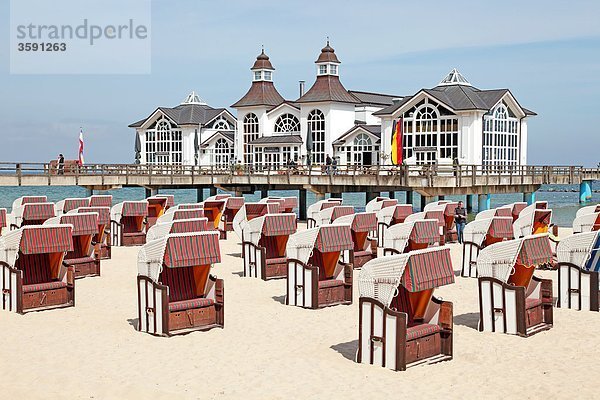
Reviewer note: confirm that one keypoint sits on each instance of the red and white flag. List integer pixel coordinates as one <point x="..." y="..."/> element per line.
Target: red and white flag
<point x="81" y="162"/>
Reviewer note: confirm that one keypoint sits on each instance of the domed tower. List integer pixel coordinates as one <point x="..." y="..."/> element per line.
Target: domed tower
<point x="327" y="109"/>
<point x="252" y="108"/>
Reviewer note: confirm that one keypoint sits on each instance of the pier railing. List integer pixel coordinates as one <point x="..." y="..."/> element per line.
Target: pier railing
<point x="464" y="175"/>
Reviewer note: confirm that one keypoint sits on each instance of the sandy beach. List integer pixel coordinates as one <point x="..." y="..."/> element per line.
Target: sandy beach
<point x="272" y="351"/>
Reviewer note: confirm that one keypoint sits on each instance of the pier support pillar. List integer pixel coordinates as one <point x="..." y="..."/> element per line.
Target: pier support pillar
<point x="409" y="197"/>
<point x="239" y="193"/>
<point x="213" y="191"/>
<point x="484" y="202"/>
<point x="199" y="195"/>
<point x="470" y="201"/>
<point x="392" y="195"/>
<point x="529" y="198"/>
<point x="89" y="192"/>
<point x="302" y="205"/>
<point x="425" y="200"/>
<point x="151" y="192"/>
<point x="264" y="194"/>
<point x="371" y="195"/>
<point x="441" y="197"/>
<point x="585" y="191"/>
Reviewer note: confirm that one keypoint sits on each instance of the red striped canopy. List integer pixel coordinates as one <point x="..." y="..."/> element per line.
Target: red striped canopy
<point x="3" y="221"/>
<point x="403" y="211"/>
<point x="170" y="199"/>
<point x="188" y="206"/>
<point x="450" y="208"/>
<point x="162" y="201"/>
<point x="38" y="211"/>
<point x="103" y="213"/>
<point x="189" y="225"/>
<point x="543" y="216"/>
<point x="104" y="200"/>
<point x="501" y="228"/>
<point x="192" y="213"/>
<point x="258" y="209"/>
<point x="364" y="222"/>
<point x="517" y="208"/>
<point x="83" y="224"/>
<point x="279" y="225"/>
<point x="46" y="239"/>
<point x="428" y="270"/>
<point x="439" y="215"/>
<point x="234" y="203"/>
<point x="503" y="212"/>
<point x="290" y="202"/>
<point x="33" y="199"/>
<point x="222" y="196"/>
<point x="135" y="209"/>
<point x="329" y="204"/>
<point x="71" y="204"/>
<point x="334" y="238"/>
<point x="340" y="211"/>
<point x="425" y="231"/>
<point x="188" y="250"/>
<point x="388" y="203"/>
<point x="280" y="202"/>
<point x="214" y="204"/>
<point x="535" y="250"/>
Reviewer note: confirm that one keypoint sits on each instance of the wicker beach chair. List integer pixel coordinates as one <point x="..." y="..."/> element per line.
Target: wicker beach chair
<point x="504" y="211"/>
<point x="511" y="299"/>
<point x="33" y="274"/>
<point x="389" y="216"/>
<point x="479" y="234"/>
<point x="183" y="206"/>
<point x="448" y="209"/>
<point x="586" y="222"/>
<point x="250" y="211"/>
<point x="264" y="245"/>
<point x="82" y="258"/>
<point x="176" y="292"/>
<point x="286" y="204"/>
<point x="66" y="205"/>
<point x="578" y="267"/>
<point x="536" y="205"/>
<point x="409" y="236"/>
<point x="31" y="214"/>
<point x="316" y="277"/>
<point x="314" y="209"/>
<point x="365" y="247"/>
<point x="516" y="209"/>
<point x="329" y="214"/>
<point x="532" y="222"/>
<point x="128" y="223"/>
<point x="181" y="213"/>
<point x="438" y="215"/>
<point x="401" y="323"/>
<point x="101" y="200"/>
<point x="162" y="229"/>
<point x="232" y="207"/>
<point x="213" y="209"/>
<point x="157" y="205"/>
<point x="28" y="199"/>
<point x="376" y="204"/>
<point x="101" y="240"/>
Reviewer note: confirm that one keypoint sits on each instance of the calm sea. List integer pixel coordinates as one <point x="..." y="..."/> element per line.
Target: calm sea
<point x="563" y="204"/>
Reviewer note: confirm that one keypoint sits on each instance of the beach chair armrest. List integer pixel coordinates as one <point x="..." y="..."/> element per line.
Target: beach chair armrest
<point x="387" y="251"/>
<point x="545" y="290"/>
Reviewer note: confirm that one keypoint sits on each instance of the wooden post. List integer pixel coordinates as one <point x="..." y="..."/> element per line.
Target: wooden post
<point x="264" y="194"/>
<point x="470" y="198"/>
<point x="409" y="197"/>
<point x="200" y="194"/>
<point x="370" y="195"/>
<point x="425" y="200"/>
<point x="392" y="195"/>
<point x="302" y="205"/>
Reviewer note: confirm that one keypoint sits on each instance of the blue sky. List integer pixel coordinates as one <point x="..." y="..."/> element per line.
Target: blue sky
<point x="546" y="53"/>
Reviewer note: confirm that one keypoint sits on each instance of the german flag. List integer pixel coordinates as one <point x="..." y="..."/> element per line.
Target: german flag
<point x="397" y="142"/>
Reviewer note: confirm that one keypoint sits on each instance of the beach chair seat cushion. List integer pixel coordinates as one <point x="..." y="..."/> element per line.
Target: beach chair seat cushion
<point x="276" y="260"/>
<point x="421" y="330"/>
<point x="38" y="287"/>
<point x="189" y="304"/>
<point x="330" y="283"/>
<point x="80" y="260"/>
<point x="363" y="253"/>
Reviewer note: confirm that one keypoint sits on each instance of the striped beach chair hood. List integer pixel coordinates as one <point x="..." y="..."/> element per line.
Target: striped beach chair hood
<point x="316" y="207"/>
<point x="523" y="226"/>
<point x="35" y="240"/>
<point x="129" y="209"/>
<point x="378" y="203"/>
<point x="577" y="248"/>
<point x="420" y="231"/>
<point x="328" y="238"/>
<point x="270" y="225"/>
<point x="82" y="223"/>
<point x="498" y="227"/>
<point x="33" y="211"/>
<point x="103" y="213"/>
<point x="162" y="229"/>
<point x="100" y="200"/>
<point x="359" y="222"/>
<point x="240" y="220"/>
<point x="28" y="199"/>
<point x="66" y="205"/>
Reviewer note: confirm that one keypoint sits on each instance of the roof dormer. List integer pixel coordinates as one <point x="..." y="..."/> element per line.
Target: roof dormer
<point x="327" y="63"/>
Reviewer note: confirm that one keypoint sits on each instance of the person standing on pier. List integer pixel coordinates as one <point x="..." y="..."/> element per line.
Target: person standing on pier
<point x="328" y="165"/>
<point x="460" y="219"/>
<point x="61" y="164"/>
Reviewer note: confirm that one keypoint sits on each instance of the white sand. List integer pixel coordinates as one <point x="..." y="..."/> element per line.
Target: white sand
<point x="272" y="351"/>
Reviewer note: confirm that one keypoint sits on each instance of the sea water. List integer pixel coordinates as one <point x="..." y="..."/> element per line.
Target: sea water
<point x="564" y="204"/>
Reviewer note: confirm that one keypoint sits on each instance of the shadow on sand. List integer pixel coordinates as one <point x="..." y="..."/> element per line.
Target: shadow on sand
<point x="347" y="350"/>
<point x="134" y="322"/>
<point x="470" y="320"/>
<point x="279" y="299"/>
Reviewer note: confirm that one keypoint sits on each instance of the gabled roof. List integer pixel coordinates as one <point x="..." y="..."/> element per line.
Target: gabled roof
<point x="261" y="93"/>
<point x="285" y="103"/>
<point x="226" y="135"/>
<point x="186" y="114"/>
<point x="374" y="130"/>
<point x="328" y="88"/>
<point x="376" y="99"/>
<point x="278" y="139"/>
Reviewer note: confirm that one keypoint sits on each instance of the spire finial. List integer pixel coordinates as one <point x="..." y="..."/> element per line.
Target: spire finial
<point x="327" y="40"/>
<point x="262" y="48"/>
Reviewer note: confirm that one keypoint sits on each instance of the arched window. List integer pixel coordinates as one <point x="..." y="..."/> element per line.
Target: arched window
<point x="500" y="137"/>
<point x="164" y="144"/>
<point x="316" y="124"/>
<point x="222" y="125"/>
<point x="251" y="131"/>
<point x="287" y="123"/>
<point x="362" y="150"/>
<point x="222" y="153"/>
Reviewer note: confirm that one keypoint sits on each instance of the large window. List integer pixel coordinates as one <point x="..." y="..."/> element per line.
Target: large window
<point x="222" y="125"/>
<point x="251" y="131"/>
<point x="429" y="132"/>
<point x="316" y="124"/>
<point x="163" y="144"/>
<point x="500" y="137"/>
<point x="287" y="123"/>
<point x="223" y="154"/>
<point x="363" y="151"/>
